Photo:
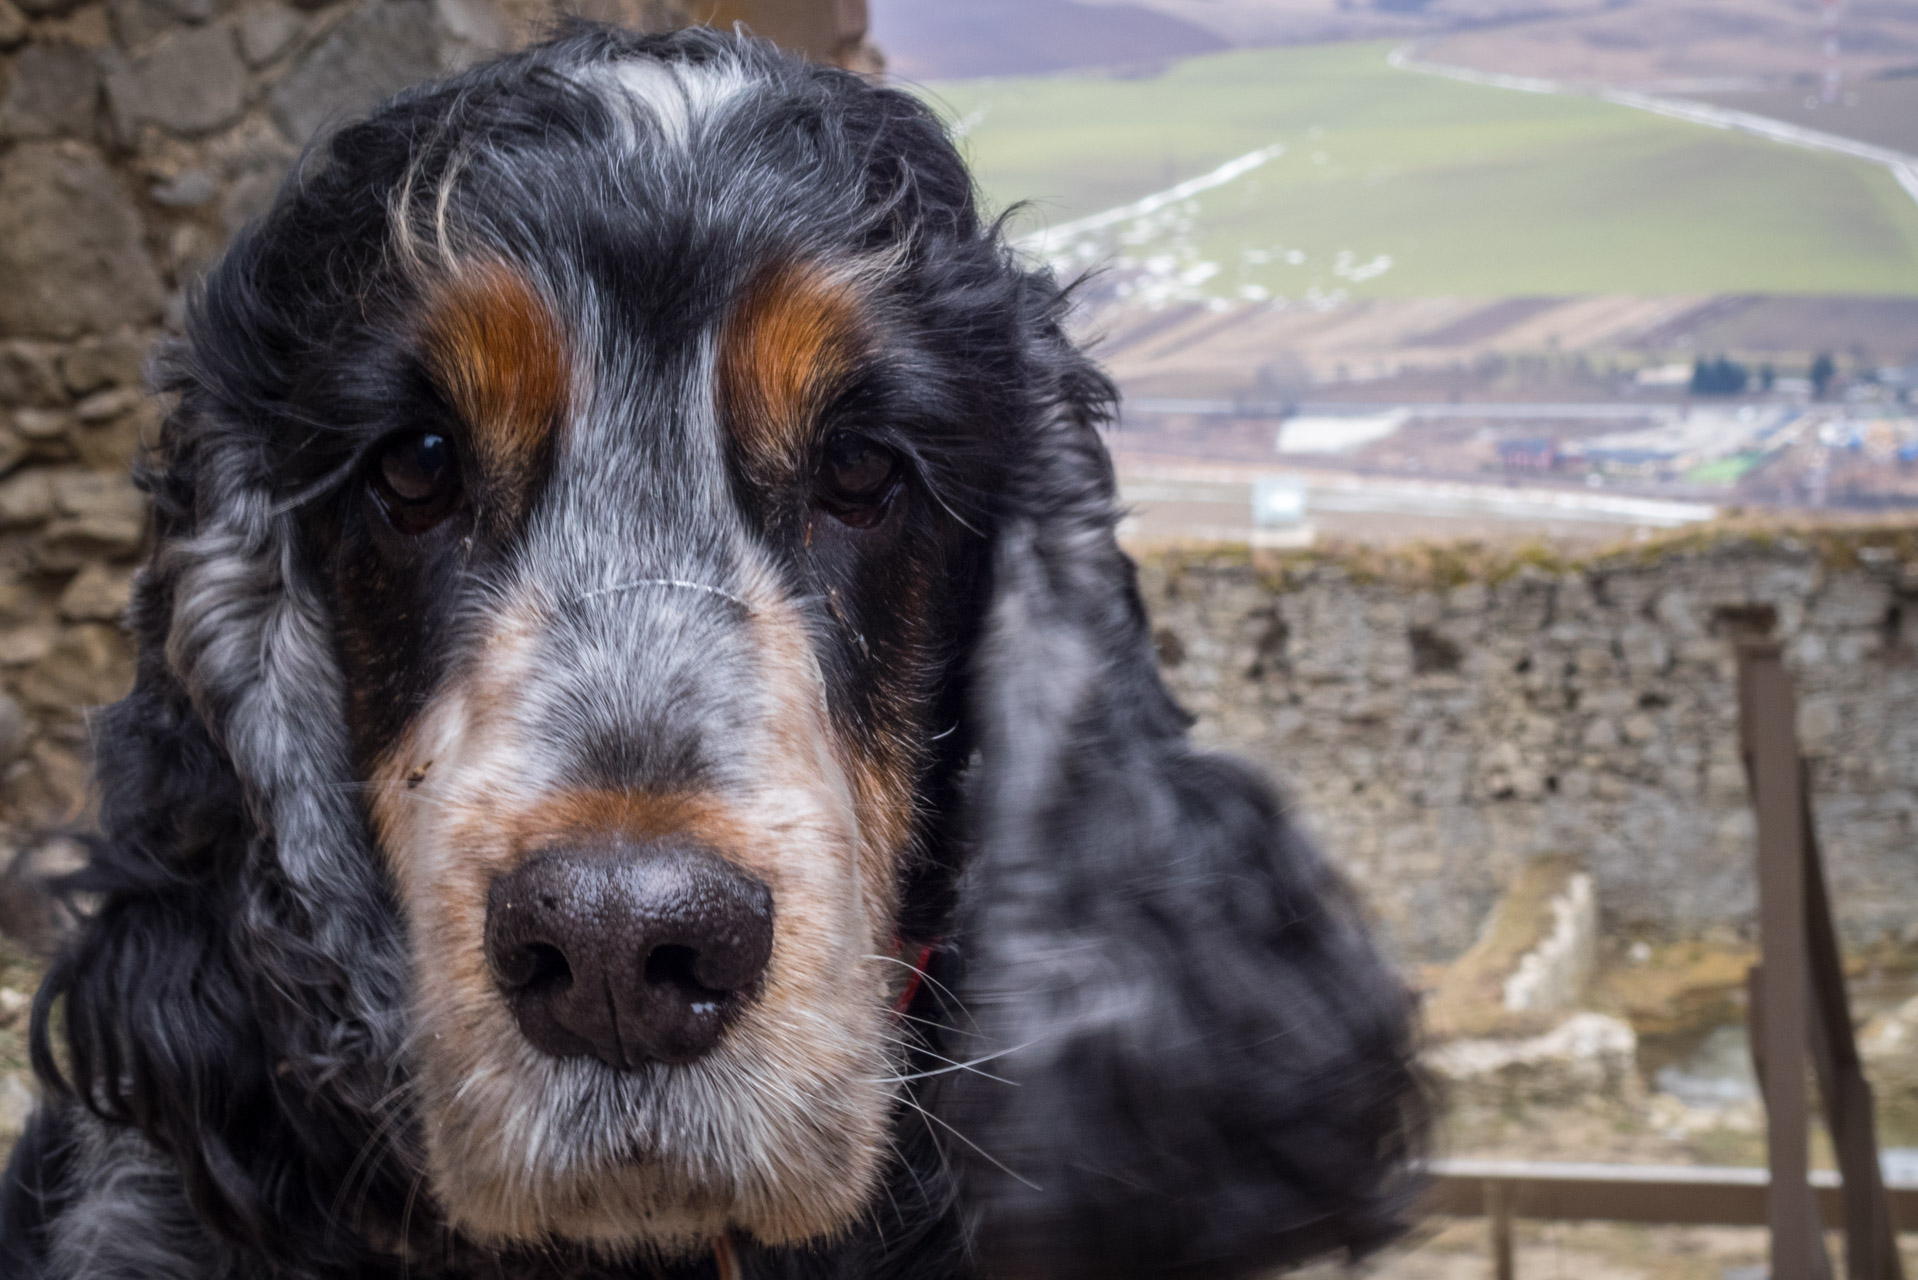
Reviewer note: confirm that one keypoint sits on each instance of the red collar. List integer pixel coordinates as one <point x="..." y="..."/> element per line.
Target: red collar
<point x="922" y="956"/>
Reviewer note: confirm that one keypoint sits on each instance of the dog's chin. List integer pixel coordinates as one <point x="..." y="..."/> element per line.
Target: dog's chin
<point x="531" y="1149"/>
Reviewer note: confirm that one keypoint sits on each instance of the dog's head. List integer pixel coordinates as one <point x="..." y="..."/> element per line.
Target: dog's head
<point x="613" y="497"/>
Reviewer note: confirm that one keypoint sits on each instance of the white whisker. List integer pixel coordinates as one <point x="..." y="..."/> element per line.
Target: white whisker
<point x="969" y="1142"/>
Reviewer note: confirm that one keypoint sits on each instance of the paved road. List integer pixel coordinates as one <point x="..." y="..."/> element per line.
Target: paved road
<point x="1054" y="237"/>
<point x="1902" y="166"/>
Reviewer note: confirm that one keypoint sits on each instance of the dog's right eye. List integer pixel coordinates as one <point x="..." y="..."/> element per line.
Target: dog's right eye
<point x="417" y="478"/>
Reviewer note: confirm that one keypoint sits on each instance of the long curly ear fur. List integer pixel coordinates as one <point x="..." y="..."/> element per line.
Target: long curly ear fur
<point x="1206" y="1066"/>
<point x="236" y="996"/>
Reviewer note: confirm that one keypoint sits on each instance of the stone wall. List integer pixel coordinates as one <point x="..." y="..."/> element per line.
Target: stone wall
<point x="1440" y="724"/>
<point x="135" y="137"/>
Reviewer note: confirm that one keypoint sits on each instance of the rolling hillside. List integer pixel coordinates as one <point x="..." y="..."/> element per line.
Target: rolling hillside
<point x="1393" y="183"/>
<point x="928" y="39"/>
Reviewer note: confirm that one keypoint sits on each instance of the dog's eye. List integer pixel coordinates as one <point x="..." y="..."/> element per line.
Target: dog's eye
<point x="417" y="477"/>
<point x="856" y="477"/>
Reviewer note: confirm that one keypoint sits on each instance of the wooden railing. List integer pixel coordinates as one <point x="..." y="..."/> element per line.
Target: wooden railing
<point x="1798" y="1008"/>
<point x="1686" y="1195"/>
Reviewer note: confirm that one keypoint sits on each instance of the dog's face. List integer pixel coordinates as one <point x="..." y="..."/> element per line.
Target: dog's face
<point x="639" y="633"/>
<point x="629" y="537"/>
<point x="645" y="579"/>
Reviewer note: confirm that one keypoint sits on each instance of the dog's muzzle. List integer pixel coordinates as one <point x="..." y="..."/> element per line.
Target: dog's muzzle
<point x="636" y="953"/>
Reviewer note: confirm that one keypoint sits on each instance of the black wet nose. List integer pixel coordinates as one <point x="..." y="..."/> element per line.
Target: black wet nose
<point x="631" y="954"/>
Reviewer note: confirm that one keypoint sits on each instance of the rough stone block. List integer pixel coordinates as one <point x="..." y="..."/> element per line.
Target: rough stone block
<point x="16" y="731"/>
<point x="95" y="515"/>
<point x="25" y="645"/>
<point x="1645" y="649"/>
<point x="55" y="782"/>
<point x="105" y="406"/>
<point x="137" y="21"/>
<point x="248" y="198"/>
<point x="42" y="426"/>
<point x="191" y="250"/>
<point x="1852" y="601"/>
<point x="98" y="363"/>
<point x="112" y="444"/>
<point x="70" y="246"/>
<point x="1820" y="721"/>
<point x="52" y="93"/>
<point x="97" y="594"/>
<point x="25" y="500"/>
<point x="382" y="47"/>
<point x="267" y="31"/>
<point x="1640" y="728"/>
<point x="1601" y="735"/>
<point x="189" y="190"/>
<point x="1589" y="1057"/>
<point x="189" y="83"/>
<point x="475" y="28"/>
<point x="1889" y="1045"/>
<point x="29" y="374"/>
<point x="13" y="25"/>
<point x="90" y="665"/>
<point x="21" y="600"/>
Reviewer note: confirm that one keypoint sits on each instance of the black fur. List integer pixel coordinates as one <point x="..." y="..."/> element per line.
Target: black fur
<point x="1206" y="1065"/>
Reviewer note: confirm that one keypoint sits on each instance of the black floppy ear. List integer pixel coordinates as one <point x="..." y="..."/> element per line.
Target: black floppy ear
<point x="1206" y="1066"/>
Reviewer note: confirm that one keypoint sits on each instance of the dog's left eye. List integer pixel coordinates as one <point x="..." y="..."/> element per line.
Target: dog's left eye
<point x="417" y="477"/>
<point x="856" y="477"/>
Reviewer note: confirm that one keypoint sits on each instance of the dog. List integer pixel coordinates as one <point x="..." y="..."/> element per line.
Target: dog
<point x="647" y="758"/>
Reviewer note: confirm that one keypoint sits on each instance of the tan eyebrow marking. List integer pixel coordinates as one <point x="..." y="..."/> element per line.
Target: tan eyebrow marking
<point x="498" y="355"/>
<point x="793" y="338"/>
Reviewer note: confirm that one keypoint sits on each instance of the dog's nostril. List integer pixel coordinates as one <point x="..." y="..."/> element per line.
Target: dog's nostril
<point x="676" y="968"/>
<point x="629" y="954"/>
<point x="534" y="964"/>
<point x="547" y="967"/>
<point x="672" y="966"/>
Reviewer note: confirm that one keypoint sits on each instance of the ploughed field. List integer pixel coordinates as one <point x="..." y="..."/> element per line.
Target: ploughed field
<point x="1399" y="183"/>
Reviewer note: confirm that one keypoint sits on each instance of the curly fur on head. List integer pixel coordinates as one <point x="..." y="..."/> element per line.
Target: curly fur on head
<point x="778" y="529"/>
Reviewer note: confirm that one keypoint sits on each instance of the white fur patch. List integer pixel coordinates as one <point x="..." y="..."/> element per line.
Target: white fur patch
<point x="674" y="98"/>
<point x="129" y="1216"/>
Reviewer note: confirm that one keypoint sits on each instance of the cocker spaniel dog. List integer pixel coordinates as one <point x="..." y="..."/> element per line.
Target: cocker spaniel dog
<point x="647" y="759"/>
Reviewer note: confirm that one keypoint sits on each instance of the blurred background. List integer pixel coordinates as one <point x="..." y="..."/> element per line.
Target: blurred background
<point x="1487" y="364"/>
<point x="1483" y="363"/>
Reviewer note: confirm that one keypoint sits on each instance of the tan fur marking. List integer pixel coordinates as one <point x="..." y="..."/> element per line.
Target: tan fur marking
<point x="790" y="342"/>
<point x="497" y="354"/>
<point x="636" y="815"/>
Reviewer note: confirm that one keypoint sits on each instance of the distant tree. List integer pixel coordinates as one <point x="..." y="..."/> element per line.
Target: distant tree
<point x="1822" y="370"/>
<point x="1718" y="377"/>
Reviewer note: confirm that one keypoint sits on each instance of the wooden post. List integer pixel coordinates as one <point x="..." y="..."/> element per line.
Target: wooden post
<point x="1498" y="1217"/>
<point x="1755" y="1002"/>
<point x="1770" y="740"/>
<point x="1871" y="1240"/>
<point x="1798" y="999"/>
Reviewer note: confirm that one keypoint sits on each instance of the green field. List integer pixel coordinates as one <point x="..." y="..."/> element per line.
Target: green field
<point x="1397" y="183"/>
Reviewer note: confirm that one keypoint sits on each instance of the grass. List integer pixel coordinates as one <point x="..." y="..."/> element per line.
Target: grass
<point x="1454" y="189"/>
<point x="1725" y="471"/>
